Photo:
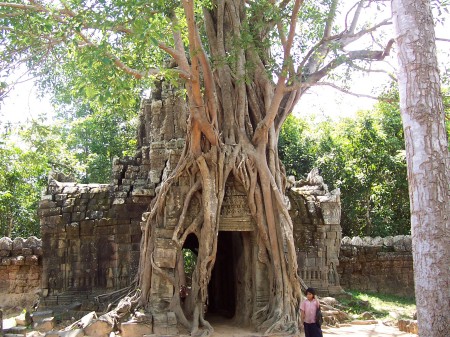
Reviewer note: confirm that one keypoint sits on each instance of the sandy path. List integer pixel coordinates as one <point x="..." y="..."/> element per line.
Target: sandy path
<point x="225" y="328"/>
<point x="373" y="330"/>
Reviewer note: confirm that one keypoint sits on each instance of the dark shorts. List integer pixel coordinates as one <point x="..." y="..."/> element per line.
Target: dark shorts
<point x="312" y="330"/>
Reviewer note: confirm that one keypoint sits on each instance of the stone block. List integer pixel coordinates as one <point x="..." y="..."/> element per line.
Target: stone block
<point x="44" y="325"/>
<point x="165" y="258"/>
<point x="49" y="211"/>
<point x="73" y="230"/>
<point x="99" y="328"/>
<point x="104" y="222"/>
<point x="122" y="229"/>
<point x="6" y="261"/>
<point x="6" y="243"/>
<point x="164" y="233"/>
<point x="135" y="228"/>
<point x="87" y="227"/>
<point x="171" y="318"/>
<point x="94" y="214"/>
<point x="16" y="331"/>
<point x="4" y="253"/>
<point x="47" y="203"/>
<point x="24" y="319"/>
<point x="142" y="191"/>
<point x="18" y="260"/>
<point x="72" y="333"/>
<point x="165" y="243"/>
<point x="135" y="239"/>
<point x="27" y="251"/>
<point x="122" y="238"/>
<point x="104" y="231"/>
<point x="17" y="245"/>
<point x="32" y="260"/>
<point x="70" y="189"/>
<point x="119" y="201"/>
<point x="54" y="220"/>
<point x="135" y="329"/>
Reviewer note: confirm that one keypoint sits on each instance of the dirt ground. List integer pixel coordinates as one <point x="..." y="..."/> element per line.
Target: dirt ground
<point x="226" y="328"/>
<point x="378" y="330"/>
<point x="373" y="330"/>
<point x="223" y="328"/>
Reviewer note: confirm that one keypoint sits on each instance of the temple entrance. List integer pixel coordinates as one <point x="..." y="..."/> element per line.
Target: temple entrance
<point x="223" y="287"/>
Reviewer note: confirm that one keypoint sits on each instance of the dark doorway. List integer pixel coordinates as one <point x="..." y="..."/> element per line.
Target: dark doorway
<point x="222" y="286"/>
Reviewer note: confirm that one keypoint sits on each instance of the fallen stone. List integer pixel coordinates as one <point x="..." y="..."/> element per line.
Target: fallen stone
<point x="45" y="325"/>
<point x="329" y="301"/>
<point x="72" y="333"/>
<point x="40" y="315"/>
<point x="367" y="316"/>
<point x="24" y="319"/>
<point x="99" y="328"/>
<point x="134" y="329"/>
<point x="35" y="334"/>
<point x="52" y="334"/>
<point x="408" y="325"/>
<point x="18" y="330"/>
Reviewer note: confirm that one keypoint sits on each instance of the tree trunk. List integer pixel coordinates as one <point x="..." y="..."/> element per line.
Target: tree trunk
<point x="427" y="162"/>
<point x="231" y="135"/>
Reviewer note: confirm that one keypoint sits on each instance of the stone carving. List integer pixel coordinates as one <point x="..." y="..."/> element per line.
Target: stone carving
<point x="333" y="277"/>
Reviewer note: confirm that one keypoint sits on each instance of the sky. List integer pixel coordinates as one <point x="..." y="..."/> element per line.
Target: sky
<point x="24" y="103"/>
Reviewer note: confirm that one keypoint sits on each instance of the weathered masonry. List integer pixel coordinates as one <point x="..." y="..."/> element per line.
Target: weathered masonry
<point x="91" y="233"/>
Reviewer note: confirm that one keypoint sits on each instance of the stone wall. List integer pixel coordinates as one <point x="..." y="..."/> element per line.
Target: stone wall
<point x="20" y="269"/>
<point x="382" y="265"/>
<point x="315" y="214"/>
<point x="92" y="232"/>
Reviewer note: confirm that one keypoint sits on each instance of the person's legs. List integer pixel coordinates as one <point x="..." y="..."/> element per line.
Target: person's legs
<point x="315" y="330"/>
<point x="307" y="332"/>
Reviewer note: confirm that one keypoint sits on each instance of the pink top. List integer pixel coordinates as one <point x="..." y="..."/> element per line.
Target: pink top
<point x="309" y="307"/>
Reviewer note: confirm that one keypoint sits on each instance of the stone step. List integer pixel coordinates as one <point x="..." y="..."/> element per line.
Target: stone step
<point x="40" y="315"/>
<point x="16" y="330"/>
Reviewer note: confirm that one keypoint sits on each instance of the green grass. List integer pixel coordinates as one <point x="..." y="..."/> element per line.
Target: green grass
<point x="381" y="306"/>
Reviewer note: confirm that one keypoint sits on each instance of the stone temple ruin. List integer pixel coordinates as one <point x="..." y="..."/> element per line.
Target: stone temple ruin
<point x="91" y="233"/>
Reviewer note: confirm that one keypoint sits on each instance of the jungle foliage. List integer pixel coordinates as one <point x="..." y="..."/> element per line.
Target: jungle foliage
<point x="364" y="157"/>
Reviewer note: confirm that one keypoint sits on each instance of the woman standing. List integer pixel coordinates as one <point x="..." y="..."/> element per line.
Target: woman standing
<point x="308" y="310"/>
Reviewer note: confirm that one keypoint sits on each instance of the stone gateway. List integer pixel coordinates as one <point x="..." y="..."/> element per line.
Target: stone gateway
<point x="92" y="233"/>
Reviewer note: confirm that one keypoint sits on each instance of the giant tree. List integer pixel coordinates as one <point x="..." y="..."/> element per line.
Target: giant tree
<point x="427" y="161"/>
<point x="244" y="66"/>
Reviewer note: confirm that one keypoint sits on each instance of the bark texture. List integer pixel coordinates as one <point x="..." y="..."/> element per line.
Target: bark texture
<point x="427" y="162"/>
<point x="236" y="109"/>
<point x="231" y="134"/>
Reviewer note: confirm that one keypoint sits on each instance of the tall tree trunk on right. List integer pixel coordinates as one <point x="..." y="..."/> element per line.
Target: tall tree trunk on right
<point x="427" y="162"/>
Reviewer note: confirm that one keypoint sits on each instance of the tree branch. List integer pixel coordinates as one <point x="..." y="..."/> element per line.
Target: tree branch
<point x="22" y="6"/>
<point x="355" y="19"/>
<point x="345" y="91"/>
<point x="392" y="76"/>
<point x="261" y="132"/>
